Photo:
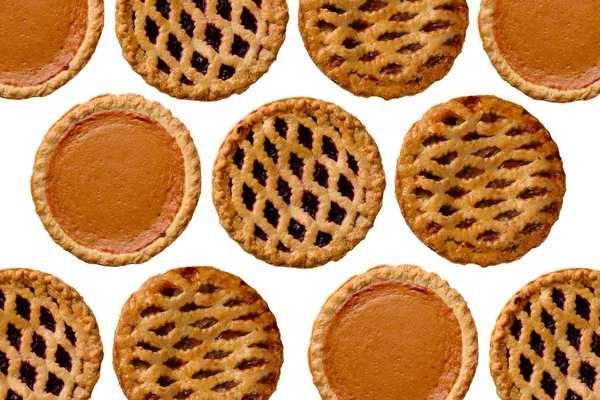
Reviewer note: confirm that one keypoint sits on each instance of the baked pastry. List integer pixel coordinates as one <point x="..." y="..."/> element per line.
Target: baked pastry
<point x="394" y="333"/>
<point x="546" y="342"/>
<point x="197" y="333"/>
<point x="201" y="49"/>
<point x="547" y="49"/>
<point x="298" y="182"/>
<point x="50" y="347"/>
<point x="116" y="180"/>
<point x="45" y="43"/>
<point x="381" y="48"/>
<point x="479" y="180"/>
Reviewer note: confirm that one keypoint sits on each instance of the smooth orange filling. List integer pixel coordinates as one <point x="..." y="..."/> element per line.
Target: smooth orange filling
<point x="39" y="38"/>
<point x="115" y="181"/>
<point x="553" y="43"/>
<point x="393" y="340"/>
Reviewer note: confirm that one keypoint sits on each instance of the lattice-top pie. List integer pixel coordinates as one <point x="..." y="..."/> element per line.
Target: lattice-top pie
<point x="197" y="333"/>
<point x="548" y="49"/>
<point x="45" y="43"/>
<point x="546" y="343"/>
<point x="479" y="180"/>
<point x="201" y="49"/>
<point x="394" y="333"/>
<point x="116" y="180"/>
<point x="298" y="182"/>
<point x="50" y="346"/>
<point x="385" y="48"/>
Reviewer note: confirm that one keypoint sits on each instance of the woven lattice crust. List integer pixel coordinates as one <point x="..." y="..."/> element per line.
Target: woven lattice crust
<point x="197" y="333"/>
<point x="201" y="49"/>
<point x="479" y="180"/>
<point x="298" y="182"/>
<point x="486" y="30"/>
<point x="406" y="273"/>
<point x="50" y="346"/>
<point x="546" y="343"/>
<point x="128" y="102"/>
<point x="380" y="48"/>
<point x="95" y="23"/>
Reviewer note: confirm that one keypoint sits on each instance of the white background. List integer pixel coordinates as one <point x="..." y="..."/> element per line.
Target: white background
<point x="295" y="296"/>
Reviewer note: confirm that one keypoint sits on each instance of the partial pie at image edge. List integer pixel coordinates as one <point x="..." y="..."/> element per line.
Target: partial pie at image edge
<point x="298" y="182"/>
<point x="135" y="109"/>
<point x="415" y="279"/>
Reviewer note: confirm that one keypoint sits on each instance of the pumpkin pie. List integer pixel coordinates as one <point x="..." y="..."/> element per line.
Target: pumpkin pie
<point x="546" y="343"/>
<point x="385" y="48"/>
<point x="45" y="43"/>
<point x="480" y="180"/>
<point x="394" y="333"/>
<point x="548" y="49"/>
<point x="201" y="49"/>
<point x="298" y="182"/>
<point x="116" y="180"/>
<point x="197" y="333"/>
<point x="50" y="346"/>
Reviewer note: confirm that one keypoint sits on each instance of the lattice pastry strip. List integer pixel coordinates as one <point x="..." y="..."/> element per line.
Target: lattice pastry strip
<point x="197" y="333"/>
<point x="49" y="342"/>
<point x="480" y="180"/>
<point x="298" y="182"/>
<point x="546" y="344"/>
<point x="384" y="48"/>
<point x="201" y="49"/>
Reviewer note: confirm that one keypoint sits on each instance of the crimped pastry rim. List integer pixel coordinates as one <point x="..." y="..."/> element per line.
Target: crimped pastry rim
<point x="93" y="354"/>
<point x="236" y="85"/>
<point x="535" y="91"/>
<point x="226" y="211"/>
<point x="192" y="183"/>
<point x="406" y="273"/>
<point x="95" y="23"/>
<point x="498" y="367"/>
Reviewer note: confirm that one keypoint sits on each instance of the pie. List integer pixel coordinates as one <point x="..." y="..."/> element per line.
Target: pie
<point x="480" y="180"/>
<point x="201" y="49"/>
<point x="197" y="333"/>
<point x="45" y="43"/>
<point x="546" y="342"/>
<point x="548" y="49"/>
<point x="394" y="333"/>
<point x="116" y="180"/>
<point x="298" y="182"/>
<point x="50" y="347"/>
<point x="385" y="48"/>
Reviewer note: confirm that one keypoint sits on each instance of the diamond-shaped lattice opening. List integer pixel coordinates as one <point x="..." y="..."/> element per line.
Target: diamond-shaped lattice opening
<point x="582" y="307"/>
<point x="297" y="230"/>
<point x="323" y="239"/>
<point x="536" y="343"/>
<point x="10" y="395"/>
<point x="151" y="30"/>
<point x="239" y="47"/>
<point x="38" y="345"/>
<point x="271" y="214"/>
<point x="259" y="172"/>
<point x="23" y="307"/>
<point x="548" y="321"/>
<point x="224" y="9"/>
<point x="201" y="4"/>
<point x="187" y="23"/>
<point x="515" y="329"/>
<point x="281" y="127"/>
<point x="558" y="298"/>
<point x="248" y="20"/>
<point x="163" y="7"/>
<point x="63" y="358"/>
<point x="162" y="66"/>
<point x="296" y="165"/>
<point x="526" y="368"/>
<point x="213" y="37"/>
<point x="271" y="150"/>
<point x="199" y="63"/>
<point x="14" y="336"/>
<point x="305" y="136"/>
<point x="573" y="336"/>
<point x="226" y="72"/>
<point x="27" y="374"/>
<point x="284" y="190"/>
<point x="4" y="363"/>
<point x="345" y="187"/>
<point x="175" y="47"/>
<point x="587" y="375"/>
<point x="310" y="204"/>
<point x="225" y="386"/>
<point x="336" y="214"/>
<point x="54" y="385"/>
<point x="329" y="149"/>
<point x="321" y="176"/>
<point x="561" y="361"/>
<point x="259" y="233"/>
<point x="70" y="334"/>
<point x="548" y="384"/>
<point x="248" y="197"/>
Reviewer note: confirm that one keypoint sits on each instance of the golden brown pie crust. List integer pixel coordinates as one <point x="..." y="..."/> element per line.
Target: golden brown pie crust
<point x="298" y="182"/>
<point x="45" y="43"/>
<point x="480" y="180"/>
<point x="116" y="180"/>
<point x="548" y="48"/>
<point x="201" y="49"/>
<point x="546" y="343"/>
<point x="51" y="345"/>
<point x="394" y="332"/>
<point x="197" y="333"/>
<point x="386" y="48"/>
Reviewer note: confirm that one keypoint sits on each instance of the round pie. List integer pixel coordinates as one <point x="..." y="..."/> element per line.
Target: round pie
<point x="480" y="180"/>
<point x="546" y="343"/>
<point x="45" y="43"/>
<point x="298" y="182"/>
<point x="201" y="49"/>
<point x="197" y="333"/>
<point x="394" y="333"/>
<point x="548" y="49"/>
<point x="50" y="347"/>
<point x="116" y="180"/>
<point x="385" y="48"/>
